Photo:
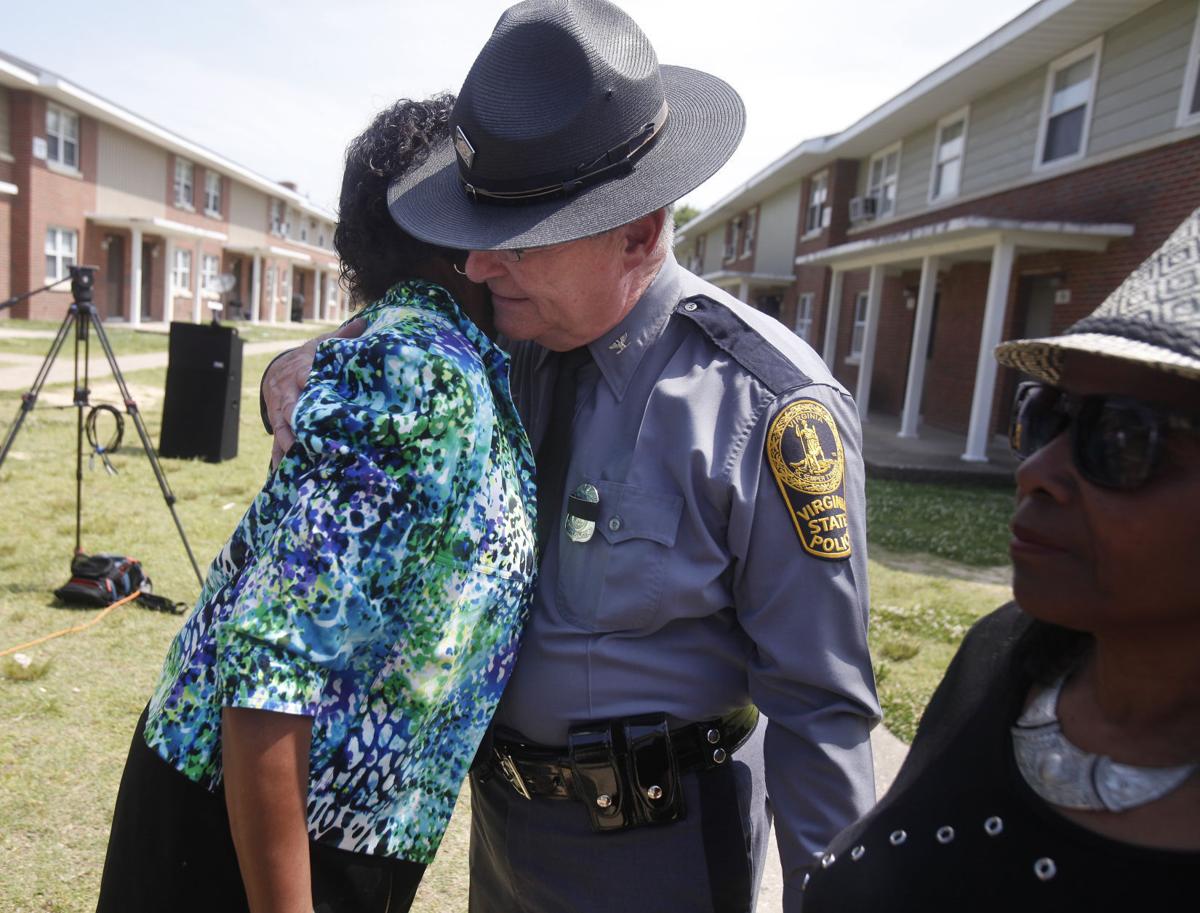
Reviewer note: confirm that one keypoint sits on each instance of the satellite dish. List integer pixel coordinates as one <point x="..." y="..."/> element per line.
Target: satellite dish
<point x="224" y="283"/>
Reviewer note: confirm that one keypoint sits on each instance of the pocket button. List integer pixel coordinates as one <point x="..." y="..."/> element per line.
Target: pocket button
<point x="614" y="524"/>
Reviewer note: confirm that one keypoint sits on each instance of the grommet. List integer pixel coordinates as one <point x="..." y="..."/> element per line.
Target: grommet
<point x="897" y="838"/>
<point x="719" y="756"/>
<point x="993" y="827"/>
<point x="1045" y="869"/>
<point x="654" y="792"/>
<point x="857" y="853"/>
<point x="604" y="800"/>
<point x="945" y="834"/>
<point x="690" y="306"/>
<point x="614" y="524"/>
<point x="827" y="860"/>
<point x="713" y="736"/>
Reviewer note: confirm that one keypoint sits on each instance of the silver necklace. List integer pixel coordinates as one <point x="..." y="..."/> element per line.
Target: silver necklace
<point x="1070" y="777"/>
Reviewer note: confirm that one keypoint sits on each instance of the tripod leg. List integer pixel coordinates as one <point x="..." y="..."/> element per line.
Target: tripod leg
<point x="131" y="407"/>
<point x="29" y="400"/>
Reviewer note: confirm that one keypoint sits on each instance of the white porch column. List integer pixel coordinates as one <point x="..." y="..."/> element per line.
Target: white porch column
<point x="135" y="277"/>
<point x="273" y="298"/>
<point x="744" y="292"/>
<point x="197" y="266"/>
<point x="978" y="431"/>
<point x="920" y="349"/>
<point x="168" y="268"/>
<point x="833" y="310"/>
<point x="255" y="288"/>
<point x="866" y="365"/>
<point x="319" y="291"/>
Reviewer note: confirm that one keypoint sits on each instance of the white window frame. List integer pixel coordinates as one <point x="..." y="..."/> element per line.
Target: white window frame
<point x="748" y="229"/>
<point x="804" y="316"/>
<point x="210" y="269"/>
<point x="277" y="218"/>
<point x="184" y="200"/>
<point x="1095" y="47"/>
<point x="964" y="115"/>
<point x="63" y="254"/>
<point x="181" y="273"/>
<point x="61" y="138"/>
<point x="818" y="186"/>
<point x="859" y="332"/>
<point x="1190" y="92"/>
<point x="873" y="189"/>
<point x="735" y="239"/>
<point x="212" y="193"/>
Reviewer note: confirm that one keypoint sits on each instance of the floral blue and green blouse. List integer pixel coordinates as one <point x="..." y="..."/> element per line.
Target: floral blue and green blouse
<point x="378" y="583"/>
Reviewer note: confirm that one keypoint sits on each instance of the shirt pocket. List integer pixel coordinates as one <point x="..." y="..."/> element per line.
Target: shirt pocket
<point x="614" y="581"/>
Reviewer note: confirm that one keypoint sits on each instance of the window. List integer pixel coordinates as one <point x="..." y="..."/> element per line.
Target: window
<point x="210" y="268"/>
<point x="748" y="233"/>
<point x="61" y="244"/>
<point x="817" y="216"/>
<point x="883" y="175"/>
<point x="321" y="238"/>
<point x="804" y="315"/>
<point x="860" y="326"/>
<point x="948" y="157"/>
<point x="1189" y="98"/>
<point x="1067" y="108"/>
<point x="733" y="232"/>
<point x="278" y="224"/>
<point x="212" y="193"/>
<point x="62" y="136"/>
<point x="184" y="183"/>
<point x="181" y="272"/>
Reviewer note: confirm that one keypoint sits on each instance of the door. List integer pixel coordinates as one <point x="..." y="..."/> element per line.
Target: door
<point x="113" y="302"/>
<point x="147" y="270"/>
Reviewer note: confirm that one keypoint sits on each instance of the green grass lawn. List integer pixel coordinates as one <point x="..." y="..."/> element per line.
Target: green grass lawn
<point x="65" y="721"/>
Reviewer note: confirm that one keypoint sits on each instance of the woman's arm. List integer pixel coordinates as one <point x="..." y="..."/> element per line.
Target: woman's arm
<point x="265" y="756"/>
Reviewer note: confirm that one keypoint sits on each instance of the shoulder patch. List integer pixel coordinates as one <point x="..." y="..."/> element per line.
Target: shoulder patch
<point x="743" y="344"/>
<point x="804" y="451"/>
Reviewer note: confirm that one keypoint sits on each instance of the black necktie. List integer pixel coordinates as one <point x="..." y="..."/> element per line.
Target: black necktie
<point x="555" y="451"/>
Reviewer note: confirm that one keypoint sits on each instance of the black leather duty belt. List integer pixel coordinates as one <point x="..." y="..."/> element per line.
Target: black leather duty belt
<point x="625" y="771"/>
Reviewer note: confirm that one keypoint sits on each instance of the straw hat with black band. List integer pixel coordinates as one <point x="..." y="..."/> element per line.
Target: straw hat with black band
<point x="566" y="126"/>
<point x="1153" y="318"/>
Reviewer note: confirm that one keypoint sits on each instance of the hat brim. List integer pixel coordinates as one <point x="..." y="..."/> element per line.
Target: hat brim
<point x="1043" y="358"/>
<point x="705" y="125"/>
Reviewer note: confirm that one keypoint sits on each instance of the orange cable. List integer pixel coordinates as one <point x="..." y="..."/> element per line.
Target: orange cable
<point x="71" y="630"/>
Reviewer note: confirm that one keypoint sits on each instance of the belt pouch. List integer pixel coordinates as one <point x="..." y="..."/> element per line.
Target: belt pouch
<point x="597" y="779"/>
<point x="653" y="771"/>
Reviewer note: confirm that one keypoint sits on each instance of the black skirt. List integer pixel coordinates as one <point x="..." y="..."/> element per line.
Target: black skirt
<point x="170" y="849"/>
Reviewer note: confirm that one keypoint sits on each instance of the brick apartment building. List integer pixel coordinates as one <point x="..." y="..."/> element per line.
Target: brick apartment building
<point x="169" y="223"/>
<point x="1003" y="195"/>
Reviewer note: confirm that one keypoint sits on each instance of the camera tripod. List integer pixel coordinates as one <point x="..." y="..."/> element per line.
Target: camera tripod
<point x="83" y="317"/>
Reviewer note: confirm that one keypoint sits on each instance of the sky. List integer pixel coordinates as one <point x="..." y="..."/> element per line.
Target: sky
<point x="282" y="88"/>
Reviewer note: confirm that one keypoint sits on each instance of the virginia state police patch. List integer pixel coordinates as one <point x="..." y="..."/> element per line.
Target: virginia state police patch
<point x="804" y="450"/>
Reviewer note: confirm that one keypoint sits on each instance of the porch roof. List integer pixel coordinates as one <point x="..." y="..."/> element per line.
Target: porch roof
<point x="723" y="276"/>
<point x="963" y="234"/>
<point x="156" y="226"/>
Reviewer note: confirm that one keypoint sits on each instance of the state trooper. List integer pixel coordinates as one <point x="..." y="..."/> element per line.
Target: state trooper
<point x="701" y="506"/>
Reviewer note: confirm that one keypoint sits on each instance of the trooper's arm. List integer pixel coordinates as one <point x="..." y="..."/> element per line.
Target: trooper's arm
<point x="282" y="382"/>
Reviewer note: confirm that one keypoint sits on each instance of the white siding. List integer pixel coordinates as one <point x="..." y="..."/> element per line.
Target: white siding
<point x="714" y="250"/>
<point x="916" y="160"/>
<point x="775" y="236"/>
<point x="1003" y="135"/>
<point x="131" y="175"/>
<point x="248" y="214"/>
<point x="1141" y="76"/>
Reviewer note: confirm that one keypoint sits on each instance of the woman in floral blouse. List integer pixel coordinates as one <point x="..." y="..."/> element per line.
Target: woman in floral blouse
<point x="318" y="710"/>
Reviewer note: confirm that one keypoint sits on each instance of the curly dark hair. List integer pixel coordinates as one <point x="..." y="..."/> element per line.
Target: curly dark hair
<point x="375" y="251"/>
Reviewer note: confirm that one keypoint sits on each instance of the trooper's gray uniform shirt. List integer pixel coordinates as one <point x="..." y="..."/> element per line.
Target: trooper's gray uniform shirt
<point x="694" y="596"/>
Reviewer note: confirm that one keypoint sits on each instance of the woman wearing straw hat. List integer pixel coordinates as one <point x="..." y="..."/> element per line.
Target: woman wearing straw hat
<point x="1056" y="766"/>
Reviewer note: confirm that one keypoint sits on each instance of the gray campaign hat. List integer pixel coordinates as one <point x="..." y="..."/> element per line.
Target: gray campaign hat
<point x="1153" y="318"/>
<point x="566" y="126"/>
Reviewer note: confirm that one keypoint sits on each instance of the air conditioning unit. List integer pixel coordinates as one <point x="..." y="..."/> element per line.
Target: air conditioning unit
<point x="863" y="209"/>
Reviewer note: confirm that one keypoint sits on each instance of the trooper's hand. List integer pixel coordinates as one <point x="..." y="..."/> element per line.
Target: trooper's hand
<point x="284" y="380"/>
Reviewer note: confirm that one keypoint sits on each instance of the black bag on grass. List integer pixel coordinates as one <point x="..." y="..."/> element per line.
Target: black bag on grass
<point x="100" y="580"/>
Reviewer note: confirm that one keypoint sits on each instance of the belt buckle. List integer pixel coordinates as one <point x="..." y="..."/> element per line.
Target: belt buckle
<point x="508" y="767"/>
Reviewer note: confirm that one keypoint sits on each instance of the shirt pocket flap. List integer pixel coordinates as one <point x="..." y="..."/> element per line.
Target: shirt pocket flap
<point x="629" y="512"/>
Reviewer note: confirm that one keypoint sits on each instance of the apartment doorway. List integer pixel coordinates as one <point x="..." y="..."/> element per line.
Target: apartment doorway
<point x="114" y="277"/>
<point x="148" y="249"/>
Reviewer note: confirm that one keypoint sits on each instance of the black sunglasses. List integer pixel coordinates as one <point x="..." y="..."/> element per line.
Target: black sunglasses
<point x="1116" y="441"/>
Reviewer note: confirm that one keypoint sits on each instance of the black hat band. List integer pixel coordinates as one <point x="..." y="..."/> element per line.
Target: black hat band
<point x="616" y="162"/>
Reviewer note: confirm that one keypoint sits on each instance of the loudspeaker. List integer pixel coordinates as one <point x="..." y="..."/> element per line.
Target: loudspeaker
<point x="204" y="393"/>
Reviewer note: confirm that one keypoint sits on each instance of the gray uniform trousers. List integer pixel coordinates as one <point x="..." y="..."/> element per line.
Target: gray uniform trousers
<point x="540" y="855"/>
